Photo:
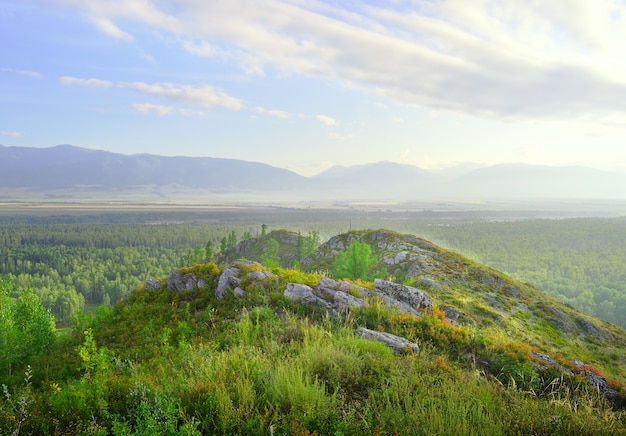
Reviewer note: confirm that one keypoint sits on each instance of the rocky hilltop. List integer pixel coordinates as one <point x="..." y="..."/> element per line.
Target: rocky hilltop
<point x="421" y="276"/>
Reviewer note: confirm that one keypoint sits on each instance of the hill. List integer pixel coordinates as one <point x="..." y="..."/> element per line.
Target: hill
<point x="467" y="292"/>
<point x="436" y="344"/>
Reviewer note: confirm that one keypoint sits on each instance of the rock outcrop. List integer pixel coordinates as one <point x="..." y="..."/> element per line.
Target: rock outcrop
<point x="178" y="281"/>
<point x="339" y="296"/>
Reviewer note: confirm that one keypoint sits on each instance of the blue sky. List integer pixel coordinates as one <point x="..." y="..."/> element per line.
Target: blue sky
<point x="306" y="84"/>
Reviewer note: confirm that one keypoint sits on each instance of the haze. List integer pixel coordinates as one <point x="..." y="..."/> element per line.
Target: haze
<point x="308" y="85"/>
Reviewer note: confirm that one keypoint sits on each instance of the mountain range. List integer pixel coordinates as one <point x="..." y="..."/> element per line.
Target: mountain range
<point x="70" y="171"/>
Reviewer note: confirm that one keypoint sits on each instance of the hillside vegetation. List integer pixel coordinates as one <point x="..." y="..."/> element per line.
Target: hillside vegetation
<point x="233" y="347"/>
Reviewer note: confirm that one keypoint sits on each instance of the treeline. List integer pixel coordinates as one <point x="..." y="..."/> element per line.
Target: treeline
<point x="71" y="266"/>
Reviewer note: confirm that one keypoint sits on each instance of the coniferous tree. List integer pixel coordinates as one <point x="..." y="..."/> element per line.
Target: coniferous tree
<point x="354" y="263"/>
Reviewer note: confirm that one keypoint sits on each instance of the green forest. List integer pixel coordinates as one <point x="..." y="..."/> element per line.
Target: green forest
<point x="77" y="262"/>
<point x="580" y="261"/>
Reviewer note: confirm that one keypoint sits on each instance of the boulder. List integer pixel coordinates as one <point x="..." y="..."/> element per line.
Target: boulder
<point x="177" y="282"/>
<point x="402" y="296"/>
<point x="396" y="343"/>
<point x="152" y="284"/>
<point x="227" y="280"/>
<point x="299" y="293"/>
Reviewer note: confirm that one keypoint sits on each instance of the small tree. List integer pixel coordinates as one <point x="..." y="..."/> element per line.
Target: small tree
<point x="208" y="250"/>
<point x="232" y="239"/>
<point x="354" y="263"/>
<point x="270" y="258"/>
<point x="263" y="229"/>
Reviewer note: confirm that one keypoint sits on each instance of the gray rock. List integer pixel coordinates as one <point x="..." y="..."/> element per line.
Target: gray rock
<point x="351" y="288"/>
<point x="408" y="295"/>
<point x="397" y="258"/>
<point x="594" y="380"/>
<point x="299" y="293"/>
<point x="227" y="279"/>
<point x="590" y="328"/>
<point x="177" y="282"/>
<point x="396" y="343"/>
<point x="343" y="301"/>
<point x="548" y="362"/>
<point x="326" y="288"/>
<point x="262" y="276"/>
<point x="452" y="314"/>
<point x="152" y="284"/>
<point x="561" y="320"/>
<point x="327" y="283"/>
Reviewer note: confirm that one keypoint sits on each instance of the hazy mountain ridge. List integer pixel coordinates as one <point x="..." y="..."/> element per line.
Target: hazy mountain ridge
<point x="74" y="169"/>
<point x="67" y="167"/>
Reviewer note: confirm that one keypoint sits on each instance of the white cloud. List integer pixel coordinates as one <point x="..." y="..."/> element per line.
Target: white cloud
<point x="507" y="59"/>
<point x="333" y="136"/>
<point x="326" y="120"/>
<point x="204" y="49"/>
<point x="11" y="134"/>
<point x="107" y="26"/>
<point x="28" y="73"/>
<point x="147" y="57"/>
<point x="190" y="112"/>
<point x="148" y="108"/>
<point x="204" y="95"/>
<point x="278" y="113"/>
<point x="89" y="83"/>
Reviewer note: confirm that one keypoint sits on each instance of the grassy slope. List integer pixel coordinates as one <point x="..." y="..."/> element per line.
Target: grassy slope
<point x="185" y="362"/>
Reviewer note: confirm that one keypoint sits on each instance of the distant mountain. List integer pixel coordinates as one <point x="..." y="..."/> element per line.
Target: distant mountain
<point x="68" y="167"/>
<point x="382" y="180"/>
<point x="68" y="171"/>
<point x="540" y="181"/>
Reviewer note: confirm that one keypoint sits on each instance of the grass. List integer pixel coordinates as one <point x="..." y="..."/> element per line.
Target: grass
<point x="186" y="363"/>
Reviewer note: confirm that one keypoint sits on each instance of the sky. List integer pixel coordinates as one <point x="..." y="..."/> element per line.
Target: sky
<point x="308" y="84"/>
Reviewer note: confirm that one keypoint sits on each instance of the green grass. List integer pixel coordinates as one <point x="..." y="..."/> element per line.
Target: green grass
<point x="186" y="363"/>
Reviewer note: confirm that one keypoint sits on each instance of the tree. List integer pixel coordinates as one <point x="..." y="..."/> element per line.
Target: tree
<point x="354" y="263"/>
<point x="263" y="229"/>
<point x="26" y="328"/>
<point x="208" y="250"/>
<point x="270" y="258"/>
<point x="223" y="244"/>
<point x="232" y="239"/>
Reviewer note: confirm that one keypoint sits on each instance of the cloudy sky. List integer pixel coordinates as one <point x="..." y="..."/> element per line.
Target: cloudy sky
<point x="306" y="84"/>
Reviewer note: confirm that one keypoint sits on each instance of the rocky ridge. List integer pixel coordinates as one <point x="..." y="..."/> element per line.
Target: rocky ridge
<point x="424" y="277"/>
